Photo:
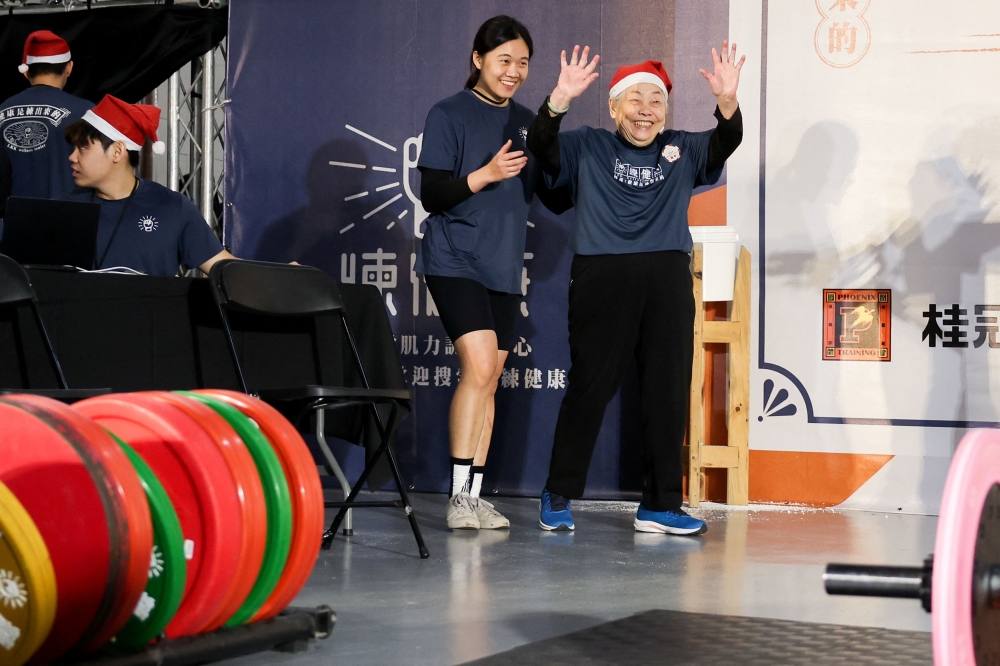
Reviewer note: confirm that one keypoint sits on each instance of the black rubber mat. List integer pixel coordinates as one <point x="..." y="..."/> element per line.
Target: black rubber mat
<point x="672" y="638"/>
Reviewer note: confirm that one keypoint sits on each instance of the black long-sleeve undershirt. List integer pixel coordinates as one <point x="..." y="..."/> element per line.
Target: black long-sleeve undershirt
<point x="543" y="139"/>
<point x="439" y="191"/>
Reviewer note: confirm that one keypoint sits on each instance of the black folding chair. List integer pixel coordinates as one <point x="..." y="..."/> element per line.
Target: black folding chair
<point x="15" y="290"/>
<point x="282" y="290"/>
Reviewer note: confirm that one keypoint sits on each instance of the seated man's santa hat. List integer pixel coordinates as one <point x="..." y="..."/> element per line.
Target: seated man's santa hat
<point x="651" y="71"/>
<point x="129" y="123"/>
<point x="44" y="46"/>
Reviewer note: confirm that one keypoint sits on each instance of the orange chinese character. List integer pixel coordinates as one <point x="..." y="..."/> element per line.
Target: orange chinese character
<point x="843" y="4"/>
<point x="841" y="34"/>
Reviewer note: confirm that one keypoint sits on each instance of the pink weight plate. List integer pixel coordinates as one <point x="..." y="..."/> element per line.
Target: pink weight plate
<point x="974" y="471"/>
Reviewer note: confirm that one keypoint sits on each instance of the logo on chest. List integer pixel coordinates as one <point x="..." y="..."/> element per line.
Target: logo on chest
<point x="641" y="176"/>
<point x="148" y="223"/>
<point x="671" y="153"/>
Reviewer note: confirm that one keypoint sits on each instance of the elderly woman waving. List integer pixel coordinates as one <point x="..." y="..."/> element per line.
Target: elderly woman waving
<point x="630" y="288"/>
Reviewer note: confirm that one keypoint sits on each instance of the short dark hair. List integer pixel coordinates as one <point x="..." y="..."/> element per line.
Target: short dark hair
<point x="492" y="34"/>
<point x="40" y="68"/>
<point x="81" y="134"/>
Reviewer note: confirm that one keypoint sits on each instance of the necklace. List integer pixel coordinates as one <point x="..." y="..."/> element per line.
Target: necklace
<point x="486" y="98"/>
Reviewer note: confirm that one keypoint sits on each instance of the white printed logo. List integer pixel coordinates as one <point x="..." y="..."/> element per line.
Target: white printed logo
<point x="26" y="136"/>
<point x="188" y="549"/>
<point x="144" y="607"/>
<point x="637" y="176"/>
<point x="148" y="223"/>
<point x="26" y="128"/>
<point x="155" y="562"/>
<point x="13" y="593"/>
<point x="523" y="132"/>
<point x="8" y="633"/>
<point x="671" y="153"/>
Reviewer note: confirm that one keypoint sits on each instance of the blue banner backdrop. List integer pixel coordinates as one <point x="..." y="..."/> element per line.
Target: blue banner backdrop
<point x="323" y="134"/>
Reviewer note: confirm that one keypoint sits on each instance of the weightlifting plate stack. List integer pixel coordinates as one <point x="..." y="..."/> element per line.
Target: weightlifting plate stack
<point x="128" y="518"/>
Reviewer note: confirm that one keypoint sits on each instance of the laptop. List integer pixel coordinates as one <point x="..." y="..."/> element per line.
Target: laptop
<point x="45" y="233"/>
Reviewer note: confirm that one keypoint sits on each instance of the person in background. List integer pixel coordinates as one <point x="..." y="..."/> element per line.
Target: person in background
<point x="32" y="123"/>
<point x="477" y="183"/>
<point x="144" y="226"/>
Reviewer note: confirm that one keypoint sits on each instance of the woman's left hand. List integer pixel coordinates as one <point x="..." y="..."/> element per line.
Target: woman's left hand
<point x="725" y="77"/>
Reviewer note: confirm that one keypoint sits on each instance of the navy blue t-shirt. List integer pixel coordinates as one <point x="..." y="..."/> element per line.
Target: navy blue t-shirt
<point x="32" y="123"/>
<point x="483" y="237"/>
<point x="631" y="199"/>
<point x="160" y="230"/>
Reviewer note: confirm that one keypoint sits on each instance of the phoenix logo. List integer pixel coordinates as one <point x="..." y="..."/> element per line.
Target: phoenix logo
<point x="774" y="407"/>
<point x="408" y="164"/>
<point x="856" y="320"/>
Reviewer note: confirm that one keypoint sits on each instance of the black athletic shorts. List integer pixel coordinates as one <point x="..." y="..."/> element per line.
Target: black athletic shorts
<point x="466" y="305"/>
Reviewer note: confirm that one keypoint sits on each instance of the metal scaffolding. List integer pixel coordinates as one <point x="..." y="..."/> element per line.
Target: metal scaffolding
<point x="196" y="122"/>
<point x="196" y="118"/>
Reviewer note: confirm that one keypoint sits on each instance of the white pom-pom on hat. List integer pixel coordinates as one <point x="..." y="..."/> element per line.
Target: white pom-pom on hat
<point x="22" y="68"/>
<point x="159" y="147"/>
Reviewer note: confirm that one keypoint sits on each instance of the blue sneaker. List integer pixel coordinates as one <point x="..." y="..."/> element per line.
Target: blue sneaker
<point x="554" y="520"/>
<point x="668" y="522"/>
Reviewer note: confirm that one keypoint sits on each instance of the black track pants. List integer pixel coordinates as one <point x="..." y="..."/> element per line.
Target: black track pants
<point x="619" y="306"/>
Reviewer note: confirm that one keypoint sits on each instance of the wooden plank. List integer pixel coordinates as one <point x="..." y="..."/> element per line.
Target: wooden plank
<point x="738" y="479"/>
<point x="727" y="332"/>
<point x="720" y="456"/>
<point x="696" y="423"/>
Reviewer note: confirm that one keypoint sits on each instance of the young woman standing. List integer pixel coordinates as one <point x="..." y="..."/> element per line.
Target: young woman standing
<point x="477" y="183"/>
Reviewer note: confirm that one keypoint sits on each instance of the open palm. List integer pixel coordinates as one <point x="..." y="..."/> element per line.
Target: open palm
<point x="724" y="78"/>
<point x="577" y="74"/>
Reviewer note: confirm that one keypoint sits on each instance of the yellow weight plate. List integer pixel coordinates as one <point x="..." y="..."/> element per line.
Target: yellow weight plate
<point x="27" y="583"/>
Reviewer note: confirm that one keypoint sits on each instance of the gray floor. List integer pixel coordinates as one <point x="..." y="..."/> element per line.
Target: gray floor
<point x="486" y="592"/>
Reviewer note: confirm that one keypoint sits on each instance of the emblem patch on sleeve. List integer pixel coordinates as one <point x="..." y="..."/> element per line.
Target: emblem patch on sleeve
<point x="671" y="153"/>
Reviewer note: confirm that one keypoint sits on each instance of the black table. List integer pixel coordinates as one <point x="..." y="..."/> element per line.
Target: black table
<point x="139" y="333"/>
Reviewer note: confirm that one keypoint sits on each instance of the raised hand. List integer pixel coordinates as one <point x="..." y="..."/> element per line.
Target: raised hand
<point x="725" y="76"/>
<point x="575" y="76"/>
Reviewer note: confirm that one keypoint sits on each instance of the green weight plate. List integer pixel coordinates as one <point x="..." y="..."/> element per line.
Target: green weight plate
<point x="276" y="496"/>
<point x="167" y="566"/>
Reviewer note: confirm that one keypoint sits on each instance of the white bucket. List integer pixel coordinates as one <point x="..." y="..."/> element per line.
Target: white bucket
<point x="721" y="247"/>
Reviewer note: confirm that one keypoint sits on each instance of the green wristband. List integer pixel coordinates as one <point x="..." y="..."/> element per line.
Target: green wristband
<point x="553" y="109"/>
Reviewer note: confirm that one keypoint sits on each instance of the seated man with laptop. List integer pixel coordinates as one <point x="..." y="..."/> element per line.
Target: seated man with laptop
<point x="142" y="225"/>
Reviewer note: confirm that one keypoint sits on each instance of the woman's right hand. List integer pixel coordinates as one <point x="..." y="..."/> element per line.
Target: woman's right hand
<point x="504" y="165"/>
<point x="575" y="76"/>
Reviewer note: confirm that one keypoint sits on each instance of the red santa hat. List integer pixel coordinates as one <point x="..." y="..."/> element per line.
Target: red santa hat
<point x="44" y="46"/>
<point x="651" y="71"/>
<point x="129" y="123"/>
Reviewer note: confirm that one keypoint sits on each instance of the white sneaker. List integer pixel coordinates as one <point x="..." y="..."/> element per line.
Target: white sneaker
<point x="489" y="518"/>
<point x="461" y="512"/>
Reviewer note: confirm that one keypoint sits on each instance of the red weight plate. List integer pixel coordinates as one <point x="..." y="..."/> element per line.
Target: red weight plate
<point x="124" y="591"/>
<point x="975" y="469"/>
<point x="249" y="491"/>
<point x="306" y="491"/>
<point x="46" y="471"/>
<point x="201" y="487"/>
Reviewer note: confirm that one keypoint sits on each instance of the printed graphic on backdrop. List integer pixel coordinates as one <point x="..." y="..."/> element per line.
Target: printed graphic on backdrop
<point x="857" y="325"/>
<point x="843" y="36"/>
<point x="906" y="205"/>
<point x="775" y="403"/>
<point x="327" y="176"/>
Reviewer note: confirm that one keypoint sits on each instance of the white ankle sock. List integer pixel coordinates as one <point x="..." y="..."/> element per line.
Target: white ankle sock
<point x="460" y="471"/>
<point x="477" y="480"/>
